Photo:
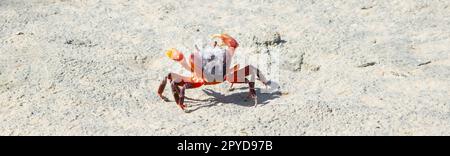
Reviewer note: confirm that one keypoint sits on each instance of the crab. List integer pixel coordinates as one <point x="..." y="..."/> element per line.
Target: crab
<point x="211" y="66"/>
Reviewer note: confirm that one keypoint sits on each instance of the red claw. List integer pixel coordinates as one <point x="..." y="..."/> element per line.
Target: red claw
<point x="227" y="40"/>
<point x="174" y="54"/>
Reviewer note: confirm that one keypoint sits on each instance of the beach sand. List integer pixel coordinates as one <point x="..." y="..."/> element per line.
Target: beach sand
<point x="354" y="67"/>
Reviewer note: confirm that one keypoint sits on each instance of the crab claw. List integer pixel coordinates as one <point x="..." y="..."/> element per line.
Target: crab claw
<point x="174" y="54"/>
<point x="227" y="40"/>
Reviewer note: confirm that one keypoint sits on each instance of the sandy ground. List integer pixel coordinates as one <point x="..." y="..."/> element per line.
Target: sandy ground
<point x="353" y="67"/>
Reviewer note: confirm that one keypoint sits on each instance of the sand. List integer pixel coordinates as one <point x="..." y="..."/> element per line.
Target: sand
<point x="353" y="67"/>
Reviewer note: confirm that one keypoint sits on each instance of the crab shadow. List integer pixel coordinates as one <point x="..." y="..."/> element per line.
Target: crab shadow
<point x="239" y="98"/>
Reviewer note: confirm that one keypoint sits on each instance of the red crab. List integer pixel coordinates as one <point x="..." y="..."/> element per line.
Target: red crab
<point x="210" y="66"/>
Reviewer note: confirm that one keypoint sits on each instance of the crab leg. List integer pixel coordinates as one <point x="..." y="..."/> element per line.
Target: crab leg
<point x="251" y="86"/>
<point x="172" y="77"/>
<point x="182" y="94"/>
<point x="175" y="82"/>
<point x="238" y="75"/>
<point x="252" y="91"/>
<point x="161" y="88"/>
<point x="179" y="94"/>
<point x="176" y="93"/>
